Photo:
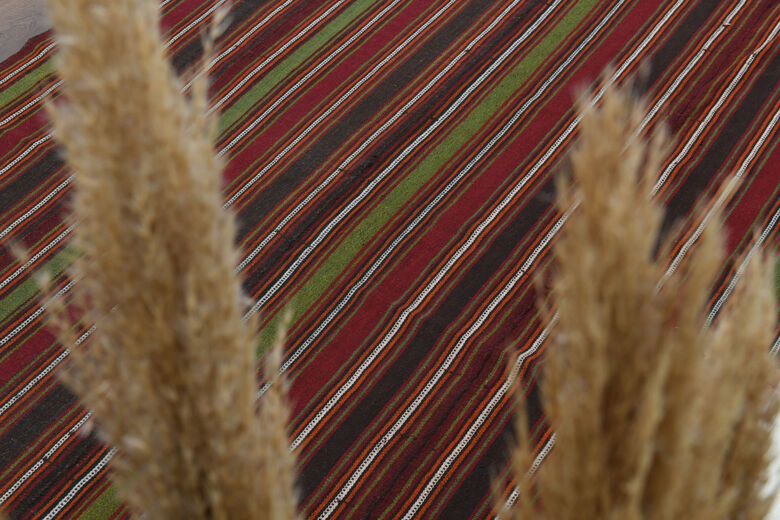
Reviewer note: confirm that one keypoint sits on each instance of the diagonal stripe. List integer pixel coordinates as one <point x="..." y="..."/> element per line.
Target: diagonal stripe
<point x="769" y="227"/>
<point x="346" y="210"/>
<point x="599" y="94"/>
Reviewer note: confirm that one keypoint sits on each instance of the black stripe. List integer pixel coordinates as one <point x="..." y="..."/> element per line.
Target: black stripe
<point x="419" y="346"/>
<point x="193" y="50"/>
<point x="348" y="431"/>
<point x="55" y="478"/>
<point x="350" y="123"/>
<point x="32" y="177"/>
<point x="34" y="422"/>
<point x="474" y="486"/>
<point x="672" y="46"/>
<point x="719" y="149"/>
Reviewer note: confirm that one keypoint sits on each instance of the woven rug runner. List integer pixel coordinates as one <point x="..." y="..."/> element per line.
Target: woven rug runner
<point x="391" y="166"/>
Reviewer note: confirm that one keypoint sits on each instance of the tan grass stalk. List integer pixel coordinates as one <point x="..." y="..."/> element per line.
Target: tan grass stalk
<point x="170" y="369"/>
<point x="656" y="416"/>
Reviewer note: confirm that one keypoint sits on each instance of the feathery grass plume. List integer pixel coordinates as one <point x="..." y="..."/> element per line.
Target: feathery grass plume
<point x="279" y="463"/>
<point x="656" y="415"/>
<point x="748" y="327"/>
<point x="170" y="369"/>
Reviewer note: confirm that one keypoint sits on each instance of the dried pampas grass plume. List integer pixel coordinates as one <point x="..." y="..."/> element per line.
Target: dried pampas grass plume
<point x="170" y="368"/>
<point x="656" y="415"/>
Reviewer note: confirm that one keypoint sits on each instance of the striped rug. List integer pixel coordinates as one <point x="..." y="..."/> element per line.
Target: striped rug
<point x="390" y="162"/>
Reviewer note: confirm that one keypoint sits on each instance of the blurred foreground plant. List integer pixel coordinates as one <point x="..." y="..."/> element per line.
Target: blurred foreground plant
<point x="170" y="368"/>
<point x="656" y="414"/>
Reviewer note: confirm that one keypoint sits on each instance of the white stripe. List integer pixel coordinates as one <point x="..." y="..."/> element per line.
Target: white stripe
<point x="25" y="65"/>
<point x="80" y="484"/>
<point x="461" y="445"/>
<point x="32" y="102"/>
<point x="345" y="211"/>
<point x="690" y="65"/>
<point x="59" y="238"/>
<point x="51" y="366"/>
<point x="249" y="257"/>
<point x="440" y="373"/>
<point x="776" y="347"/>
<point x="24" y="154"/>
<point x="173" y="39"/>
<point x="270" y="58"/>
<point x="380" y="445"/>
<point x="480" y="420"/>
<point x="36" y="207"/>
<point x="243" y="38"/>
<point x="713" y="111"/>
<point x="741" y="270"/>
<point x="534" y="467"/>
<point x="46" y="456"/>
<point x="32" y="317"/>
<point x="746" y="163"/>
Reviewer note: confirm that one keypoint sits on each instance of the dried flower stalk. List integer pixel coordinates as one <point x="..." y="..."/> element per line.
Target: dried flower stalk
<point x="656" y="415"/>
<point x="170" y="369"/>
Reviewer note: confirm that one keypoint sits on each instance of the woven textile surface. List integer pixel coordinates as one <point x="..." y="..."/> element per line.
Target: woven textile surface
<point x="391" y="163"/>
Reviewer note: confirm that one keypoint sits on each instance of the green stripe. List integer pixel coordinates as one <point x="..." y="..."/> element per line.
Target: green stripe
<point x="103" y="506"/>
<point x="26" y="85"/>
<point x="29" y="288"/>
<point x="458" y="138"/>
<point x="777" y="279"/>
<point x="276" y="75"/>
